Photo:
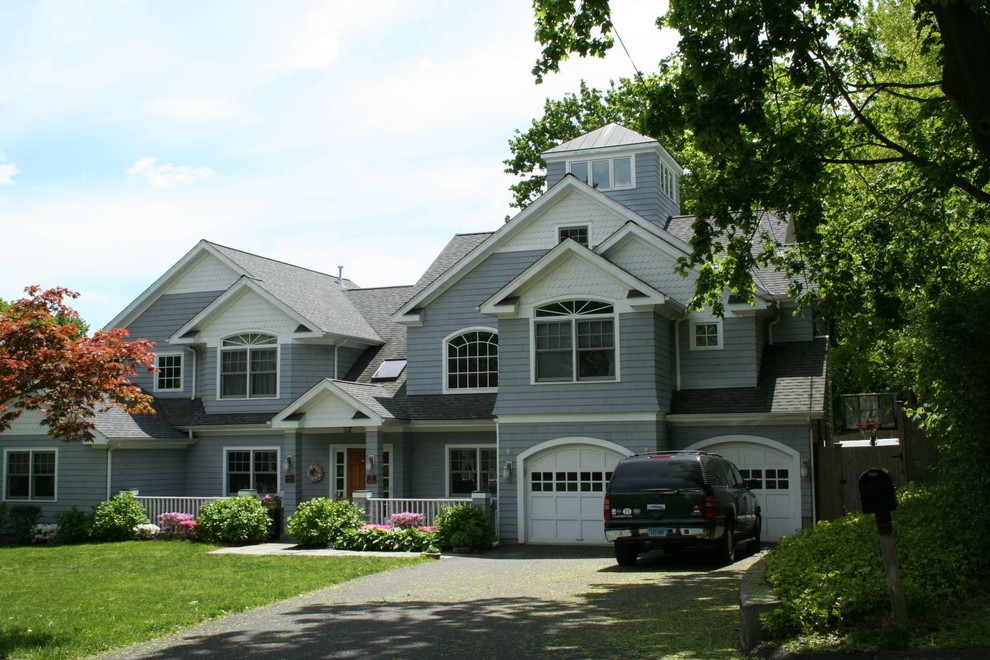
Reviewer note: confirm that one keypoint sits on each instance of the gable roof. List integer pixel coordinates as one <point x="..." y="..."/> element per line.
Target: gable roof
<point x="567" y="185"/>
<point x="377" y="307"/>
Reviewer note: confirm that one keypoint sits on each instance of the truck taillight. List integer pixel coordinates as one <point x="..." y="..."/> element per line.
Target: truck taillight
<point x="608" y="510"/>
<point x="709" y="506"/>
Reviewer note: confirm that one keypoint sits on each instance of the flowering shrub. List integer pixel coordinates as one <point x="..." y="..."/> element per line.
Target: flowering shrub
<point x="116" y="518"/>
<point x="272" y="501"/>
<point x="44" y="533"/>
<point x="145" y="532"/>
<point x="234" y="520"/>
<point x="406" y="520"/>
<point x="73" y="525"/>
<point x="383" y="538"/>
<point x="320" y="521"/>
<point x="177" y="525"/>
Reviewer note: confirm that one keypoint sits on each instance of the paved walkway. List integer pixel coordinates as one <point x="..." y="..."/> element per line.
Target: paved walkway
<point x="513" y="602"/>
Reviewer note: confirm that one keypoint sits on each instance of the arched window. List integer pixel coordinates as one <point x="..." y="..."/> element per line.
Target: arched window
<point x="249" y="366"/>
<point x="575" y="340"/>
<point x="472" y="360"/>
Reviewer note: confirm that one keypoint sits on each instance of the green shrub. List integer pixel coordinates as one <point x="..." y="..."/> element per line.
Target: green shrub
<point x="381" y="539"/>
<point x="321" y="521"/>
<point x="233" y="520"/>
<point x="23" y="518"/>
<point x="463" y="526"/>
<point x="73" y="526"/>
<point x="116" y="518"/>
<point x="3" y="514"/>
<point x="831" y="578"/>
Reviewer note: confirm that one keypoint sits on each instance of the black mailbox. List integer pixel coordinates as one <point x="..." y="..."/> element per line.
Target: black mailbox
<point x="877" y="492"/>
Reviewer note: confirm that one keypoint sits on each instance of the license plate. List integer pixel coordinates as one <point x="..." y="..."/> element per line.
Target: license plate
<point x="657" y="531"/>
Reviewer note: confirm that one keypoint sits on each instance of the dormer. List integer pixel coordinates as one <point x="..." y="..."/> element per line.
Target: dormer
<point x="632" y="169"/>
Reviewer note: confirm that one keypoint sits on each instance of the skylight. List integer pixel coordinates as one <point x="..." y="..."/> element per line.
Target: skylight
<point x="389" y="370"/>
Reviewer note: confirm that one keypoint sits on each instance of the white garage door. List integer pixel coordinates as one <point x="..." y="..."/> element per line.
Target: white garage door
<point x="564" y="491"/>
<point x="780" y="483"/>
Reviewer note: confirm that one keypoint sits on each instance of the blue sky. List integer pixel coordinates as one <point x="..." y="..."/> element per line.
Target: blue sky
<point x="319" y="133"/>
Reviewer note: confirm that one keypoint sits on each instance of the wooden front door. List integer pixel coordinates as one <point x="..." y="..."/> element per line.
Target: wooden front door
<point x="355" y="471"/>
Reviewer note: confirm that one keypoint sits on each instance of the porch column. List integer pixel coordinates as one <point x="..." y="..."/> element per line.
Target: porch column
<point x="373" y="460"/>
<point x="292" y="478"/>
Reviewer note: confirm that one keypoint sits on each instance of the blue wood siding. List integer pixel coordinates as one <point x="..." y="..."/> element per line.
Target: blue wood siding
<point x="635" y="392"/>
<point x="735" y="365"/>
<point x="663" y="351"/>
<point x="302" y="366"/>
<point x="159" y="472"/>
<point x="206" y="467"/>
<point x="159" y="321"/>
<point x="455" y="309"/>
<point x="793" y="327"/>
<point x="430" y="462"/>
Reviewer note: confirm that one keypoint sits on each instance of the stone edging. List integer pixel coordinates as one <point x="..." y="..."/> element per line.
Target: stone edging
<point x="755" y="597"/>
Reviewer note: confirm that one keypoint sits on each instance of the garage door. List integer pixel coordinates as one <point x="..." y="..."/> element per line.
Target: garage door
<point x="564" y="492"/>
<point x="779" y="491"/>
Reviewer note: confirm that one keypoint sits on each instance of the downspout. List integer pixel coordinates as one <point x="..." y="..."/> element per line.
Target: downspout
<point x="770" y="328"/>
<point x="677" y="354"/>
<point x="192" y="386"/>
<point x="110" y="449"/>
<point x="811" y="471"/>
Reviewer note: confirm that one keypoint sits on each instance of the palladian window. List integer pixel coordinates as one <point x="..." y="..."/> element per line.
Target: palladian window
<point x="472" y="361"/>
<point x="249" y="367"/>
<point x="574" y="341"/>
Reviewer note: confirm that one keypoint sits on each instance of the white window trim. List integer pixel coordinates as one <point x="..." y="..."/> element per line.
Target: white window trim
<point x="33" y="450"/>
<point x="278" y="465"/>
<point x="574" y="380"/>
<point x="691" y="336"/>
<point x="331" y="476"/>
<point x="611" y="170"/>
<point x="182" y="372"/>
<point x="278" y="366"/>
<point x="578" y="225"/>
<point x="470" y="445"/>
<point x="443" y="352"/>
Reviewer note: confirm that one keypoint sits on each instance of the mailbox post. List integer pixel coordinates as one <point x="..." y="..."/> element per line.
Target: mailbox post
<point x="877" y="493"/>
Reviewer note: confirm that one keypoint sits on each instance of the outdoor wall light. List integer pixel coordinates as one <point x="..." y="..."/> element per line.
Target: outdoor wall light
<point x="507" y="470"/>
<point x="369" y="464"/>
<point x="287" y="465"/>
<point x="805" y="469"/>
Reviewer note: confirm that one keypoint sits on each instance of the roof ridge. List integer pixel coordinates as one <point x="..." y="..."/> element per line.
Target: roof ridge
<point x="275" y="261"/>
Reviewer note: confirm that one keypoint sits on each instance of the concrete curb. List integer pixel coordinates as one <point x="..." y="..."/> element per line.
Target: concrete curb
<point x="755" y="597"/>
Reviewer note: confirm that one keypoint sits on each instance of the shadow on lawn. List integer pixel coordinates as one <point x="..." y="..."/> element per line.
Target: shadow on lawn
<point x="690" y="615"/>
<point x="10" y="640"/>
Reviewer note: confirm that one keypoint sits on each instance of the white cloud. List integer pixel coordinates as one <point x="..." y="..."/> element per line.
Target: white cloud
<point x="7" y="171"/>
<point x="196" y="110"/>
<point x="166" y="175"/>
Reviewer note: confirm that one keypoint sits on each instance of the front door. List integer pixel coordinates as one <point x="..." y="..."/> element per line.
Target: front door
<point x="355" y="471"/>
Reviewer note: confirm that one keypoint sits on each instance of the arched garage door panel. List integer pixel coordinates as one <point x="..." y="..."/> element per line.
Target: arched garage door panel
<point x="780" y="488"/>
<point x="564" y="491"/>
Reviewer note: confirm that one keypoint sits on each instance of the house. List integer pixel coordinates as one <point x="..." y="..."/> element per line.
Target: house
<point x="525" y="362"/>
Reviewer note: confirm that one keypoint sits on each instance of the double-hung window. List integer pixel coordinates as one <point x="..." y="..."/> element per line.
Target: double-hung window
<point x="29" y="474"/>
<point x="252" y="469"/>
<point x="472" y="361"/>
<point x="169" y="377"/>
<point x="472" y="469"/>
<point x="249" y="367"/>
<point x="604" y="173"/>
<point x="574" y="341"/>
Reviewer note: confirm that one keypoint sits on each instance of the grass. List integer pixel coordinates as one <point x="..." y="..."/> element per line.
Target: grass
<point x="72" y="601"/>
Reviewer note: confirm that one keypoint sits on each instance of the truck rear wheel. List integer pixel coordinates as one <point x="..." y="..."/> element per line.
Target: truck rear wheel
<point x="626" y="553"/>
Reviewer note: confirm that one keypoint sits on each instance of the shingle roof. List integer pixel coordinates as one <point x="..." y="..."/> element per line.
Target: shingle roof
<point x="377" y="307"/>
<point x="184" y="413"/>
<point x="792" y="380"/>
<point x="315" y="296"/>
<point x="610" y="135"/>
<point x="116" y="423"/>
<point x="451" y="406"/>
<point x="378" y="398"/>
<point x="770" y="279"/>
<point x="455" y="250"/>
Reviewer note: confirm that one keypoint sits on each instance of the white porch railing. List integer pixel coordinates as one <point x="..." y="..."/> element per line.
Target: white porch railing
<point x="380" y="509"/>
<point x="159" y="505"/>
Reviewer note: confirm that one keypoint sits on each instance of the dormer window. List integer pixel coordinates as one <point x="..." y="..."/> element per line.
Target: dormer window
<point x="604" y="173"/>
<point x="668" y="182"/>
<point x="249" y="367"/>
<point x="577" y="233"/>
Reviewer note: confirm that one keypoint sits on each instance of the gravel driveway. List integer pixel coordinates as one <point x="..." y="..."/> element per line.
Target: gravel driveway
<point x="513" y="602"/>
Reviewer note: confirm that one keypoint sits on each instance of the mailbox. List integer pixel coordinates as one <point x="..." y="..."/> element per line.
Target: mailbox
<point x="876" y="491"/>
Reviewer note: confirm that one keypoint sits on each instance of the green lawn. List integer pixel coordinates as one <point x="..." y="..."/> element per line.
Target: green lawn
<point x="72" y="601"/>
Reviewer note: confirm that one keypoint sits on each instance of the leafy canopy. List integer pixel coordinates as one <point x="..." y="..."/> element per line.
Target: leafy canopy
<point x="48" y="364"/>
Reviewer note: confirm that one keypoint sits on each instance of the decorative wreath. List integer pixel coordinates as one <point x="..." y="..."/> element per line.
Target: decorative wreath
<point x="315" y="472"/>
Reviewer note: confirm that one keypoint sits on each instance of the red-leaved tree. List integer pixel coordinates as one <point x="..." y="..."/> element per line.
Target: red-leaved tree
<point x="49" y="364"/>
